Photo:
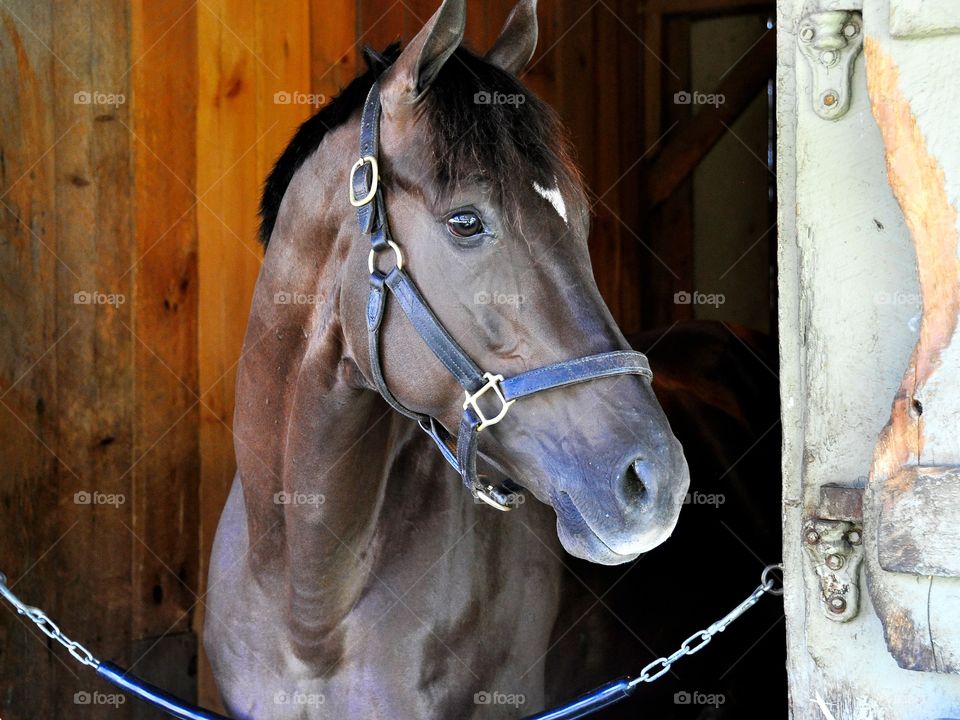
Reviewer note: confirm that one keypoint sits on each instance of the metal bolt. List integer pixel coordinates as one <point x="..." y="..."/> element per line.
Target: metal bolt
<point x="806" y="34"/>
<point x="830" y="99"/>
<point x="829" y="57"/>
<point x="850" y="30"/>
<point x="812" y="537"/>
<point x="854" y="537"/>
<point x="834" y="562"/>
<point x="836" y="604"/>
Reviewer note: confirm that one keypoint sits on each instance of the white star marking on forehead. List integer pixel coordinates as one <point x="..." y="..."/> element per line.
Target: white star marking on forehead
<point x="554" y="197"/>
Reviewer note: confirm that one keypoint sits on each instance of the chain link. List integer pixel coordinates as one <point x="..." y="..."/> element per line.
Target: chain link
<point x="653" y="671"/>
<point x="47" y="626"/>
<point x="661" y="666"/>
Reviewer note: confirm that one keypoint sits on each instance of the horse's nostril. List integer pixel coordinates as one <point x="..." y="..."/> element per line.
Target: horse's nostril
<point x="634" y="487"/>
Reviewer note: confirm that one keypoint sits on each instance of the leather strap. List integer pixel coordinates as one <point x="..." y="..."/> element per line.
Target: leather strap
<point x="372" y="221"/>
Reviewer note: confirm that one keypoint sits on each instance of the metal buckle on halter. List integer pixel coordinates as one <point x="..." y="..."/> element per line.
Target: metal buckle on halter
<point x="374" y="183"/>
<point x="493" y="383"/>
<point x="487" y="495"/>
<point x="372" y="259"/>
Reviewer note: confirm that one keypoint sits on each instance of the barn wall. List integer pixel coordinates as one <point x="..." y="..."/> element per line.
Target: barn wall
<point x="140" y="195"/>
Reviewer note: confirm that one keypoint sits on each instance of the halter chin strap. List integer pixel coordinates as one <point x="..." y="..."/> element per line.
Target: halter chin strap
<point x="366" y="196"/>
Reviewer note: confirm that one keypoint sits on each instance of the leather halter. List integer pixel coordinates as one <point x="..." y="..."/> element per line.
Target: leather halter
<point x="366" y="194"/>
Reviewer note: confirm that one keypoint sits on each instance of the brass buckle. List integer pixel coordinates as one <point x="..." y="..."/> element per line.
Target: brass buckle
<point x="485" y="494"/>
<point x="374" y="185"/>
<point x="372" y="259"/>
<point x="493" y="383"/>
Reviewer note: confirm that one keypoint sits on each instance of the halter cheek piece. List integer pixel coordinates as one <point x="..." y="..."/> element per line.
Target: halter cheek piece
<point x="366" y="195"/>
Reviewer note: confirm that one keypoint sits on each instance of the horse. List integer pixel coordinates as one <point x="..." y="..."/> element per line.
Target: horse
<point x="351" y="575"/>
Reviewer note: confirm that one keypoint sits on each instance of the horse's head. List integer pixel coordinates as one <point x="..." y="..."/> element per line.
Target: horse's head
<point x="493" y="224"/>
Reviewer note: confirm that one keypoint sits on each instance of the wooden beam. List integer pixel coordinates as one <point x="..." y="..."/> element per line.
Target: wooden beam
<point x="707" y="7"/>
<point x="691" y="142"/>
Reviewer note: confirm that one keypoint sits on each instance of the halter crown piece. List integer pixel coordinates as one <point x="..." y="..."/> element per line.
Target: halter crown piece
<point x="366" y="195"/>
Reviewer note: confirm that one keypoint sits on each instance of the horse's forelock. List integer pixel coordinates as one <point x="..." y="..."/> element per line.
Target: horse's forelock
<point x="483" y="124"/>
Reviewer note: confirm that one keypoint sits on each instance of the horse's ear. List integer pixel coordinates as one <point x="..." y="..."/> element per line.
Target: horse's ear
<point x="422" y="59"/>
<point x="518" y="39"/>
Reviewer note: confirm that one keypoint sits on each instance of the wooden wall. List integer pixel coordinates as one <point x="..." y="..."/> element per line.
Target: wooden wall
<point x="146" y="201"/>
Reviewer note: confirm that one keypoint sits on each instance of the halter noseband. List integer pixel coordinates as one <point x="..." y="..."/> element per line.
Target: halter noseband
<point x="366" y="195"/>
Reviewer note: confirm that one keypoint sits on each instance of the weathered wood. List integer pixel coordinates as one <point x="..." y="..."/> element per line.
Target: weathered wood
<point x="689" y="143"/>
<point x="918" y="614"/>
<point x="919" y="522"/>
<point x="841" y="502"/>
<point x="166" y="449"/>
<point x="909" y="18"/>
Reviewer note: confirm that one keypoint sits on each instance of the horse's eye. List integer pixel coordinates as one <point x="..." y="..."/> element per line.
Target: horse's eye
<point x="465" y="224"/>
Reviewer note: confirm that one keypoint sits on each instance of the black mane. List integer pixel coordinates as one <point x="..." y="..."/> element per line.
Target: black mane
<point x="471" y="140"/>
<point x="311" y="133"/>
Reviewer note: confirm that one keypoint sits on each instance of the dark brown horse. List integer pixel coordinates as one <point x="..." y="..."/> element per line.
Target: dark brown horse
<point x="352" y="575"/>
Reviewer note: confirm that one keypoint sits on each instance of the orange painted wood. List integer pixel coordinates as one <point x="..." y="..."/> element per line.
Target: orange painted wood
<point x="164" y="307"/>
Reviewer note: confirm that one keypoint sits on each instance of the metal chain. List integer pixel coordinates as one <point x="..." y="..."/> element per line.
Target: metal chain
<point x="700" y="639"/>
<point x="653" y="671"/>
<point x="47" y="626"/>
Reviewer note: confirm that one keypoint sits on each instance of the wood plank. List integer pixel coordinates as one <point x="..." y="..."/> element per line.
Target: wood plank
<point x="669" y="237"/>
<point x="166" y="446"/>
<point x="226" y="180"/>
<point x="918" y="614"/>
<point x="690" y="142"/>
<point x="606" y="238"/>
<point x="334" y="53"/>
<point x="630" y="135"/>
<point x="708" y="7"/>
<point x="919" y="521"/>
<point x="379" y="22"/>
<point x="28" y="377"/>
<point x="95" y="363"/>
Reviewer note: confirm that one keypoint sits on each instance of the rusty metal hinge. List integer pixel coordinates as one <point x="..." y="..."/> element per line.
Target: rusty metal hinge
<point x="833" y="541"/>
